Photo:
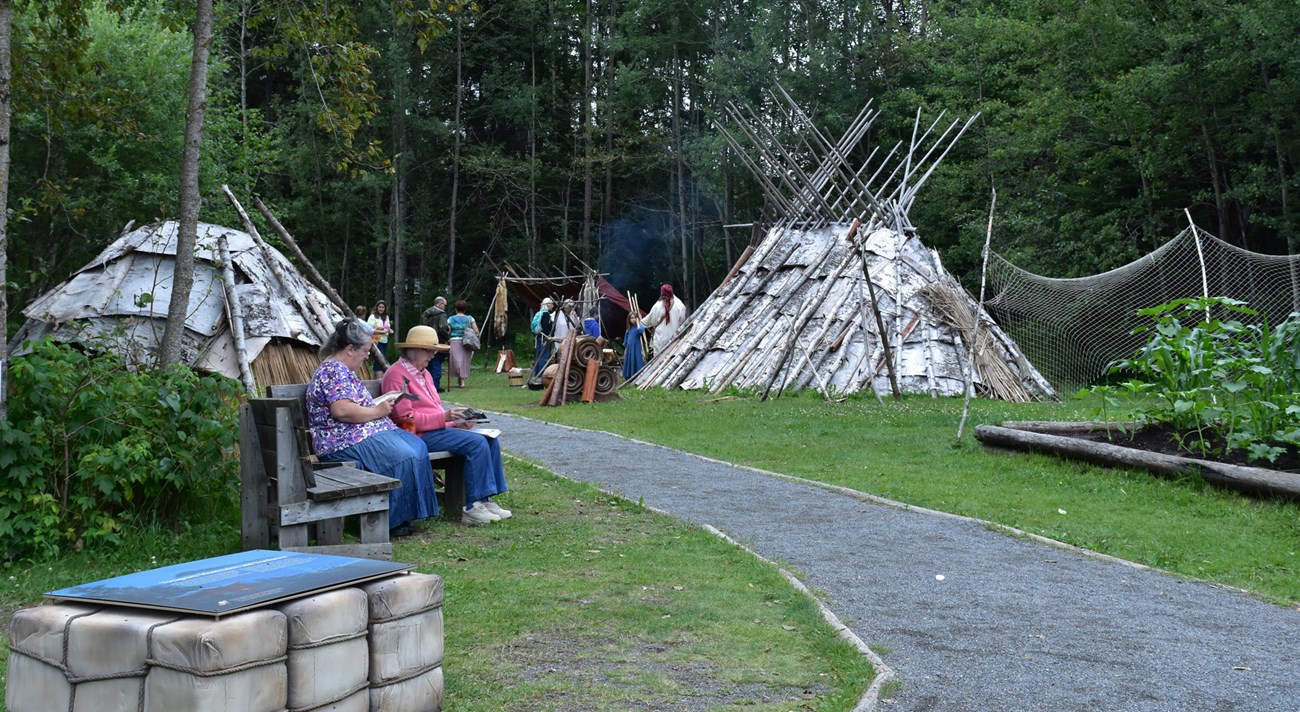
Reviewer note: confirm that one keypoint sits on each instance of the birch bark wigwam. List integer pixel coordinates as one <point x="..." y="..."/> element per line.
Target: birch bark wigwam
<point x="818" y="303"/>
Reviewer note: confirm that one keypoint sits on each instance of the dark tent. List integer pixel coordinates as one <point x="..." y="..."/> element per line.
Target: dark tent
<point x="614" y="305"/>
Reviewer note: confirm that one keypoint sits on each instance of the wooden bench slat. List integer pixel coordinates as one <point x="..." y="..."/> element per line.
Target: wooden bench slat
<point x="338" y="482"/>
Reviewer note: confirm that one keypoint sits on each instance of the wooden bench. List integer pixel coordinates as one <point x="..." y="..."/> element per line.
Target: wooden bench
<point x="286" y="495"/>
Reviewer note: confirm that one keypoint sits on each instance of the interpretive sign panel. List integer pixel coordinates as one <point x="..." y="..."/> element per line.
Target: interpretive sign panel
<point x="228" y="584"/>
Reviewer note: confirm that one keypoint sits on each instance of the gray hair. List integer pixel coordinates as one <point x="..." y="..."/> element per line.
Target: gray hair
<point x="349" y="332"/>
<point x="441" y="300"/>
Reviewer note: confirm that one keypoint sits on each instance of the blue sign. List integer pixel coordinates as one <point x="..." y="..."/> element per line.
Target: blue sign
<point x="229" y="584"/>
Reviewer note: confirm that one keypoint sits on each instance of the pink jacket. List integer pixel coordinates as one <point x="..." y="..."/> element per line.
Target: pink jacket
<point x="427" y="411"/>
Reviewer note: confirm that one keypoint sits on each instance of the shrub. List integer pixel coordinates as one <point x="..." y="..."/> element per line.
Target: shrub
<point x="1217" y="378"/>
<point x="91" y="445"/>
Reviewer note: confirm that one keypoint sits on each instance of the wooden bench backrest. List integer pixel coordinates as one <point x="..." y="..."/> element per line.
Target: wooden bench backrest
<point x="297" y="392"/>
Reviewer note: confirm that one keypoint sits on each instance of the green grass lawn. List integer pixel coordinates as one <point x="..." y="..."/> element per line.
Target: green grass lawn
<point x="581" y="601"/>
<point x="586" y="601"/>
<point x="905" y="452"/>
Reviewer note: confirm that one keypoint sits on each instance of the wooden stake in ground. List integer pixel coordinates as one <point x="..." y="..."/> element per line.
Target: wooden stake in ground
<point x="979" y="319"/>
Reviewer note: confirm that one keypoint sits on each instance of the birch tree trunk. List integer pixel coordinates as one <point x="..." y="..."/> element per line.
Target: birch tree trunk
<point x="187" y="232"/>
<point x="6" y="61"/>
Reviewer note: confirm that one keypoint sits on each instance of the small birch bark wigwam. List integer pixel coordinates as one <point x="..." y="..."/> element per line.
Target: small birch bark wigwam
<point x="250" y="309"/>
<point x="797" y="311"/>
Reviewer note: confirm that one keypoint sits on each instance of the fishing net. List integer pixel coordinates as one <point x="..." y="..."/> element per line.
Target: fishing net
<point x="1072" y="329"/>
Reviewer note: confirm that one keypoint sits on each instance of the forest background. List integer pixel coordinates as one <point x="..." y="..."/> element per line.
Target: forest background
<point x="411" y="149"/>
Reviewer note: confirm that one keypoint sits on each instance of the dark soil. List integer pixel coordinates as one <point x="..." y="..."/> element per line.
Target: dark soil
<point x="1165" y="440"/>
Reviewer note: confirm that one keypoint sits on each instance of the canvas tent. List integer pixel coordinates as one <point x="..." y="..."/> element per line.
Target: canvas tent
<point x="119" y="302"/>
<point x="613" y="305"/>
<point x="840" y="294"/>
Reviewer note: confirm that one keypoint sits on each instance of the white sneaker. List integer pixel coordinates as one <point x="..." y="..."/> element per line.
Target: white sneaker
<point x="478" y="514"/>
<point x="493" y="507"/>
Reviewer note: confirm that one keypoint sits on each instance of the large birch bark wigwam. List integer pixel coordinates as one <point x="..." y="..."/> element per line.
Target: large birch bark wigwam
<point x="797" y="310"/>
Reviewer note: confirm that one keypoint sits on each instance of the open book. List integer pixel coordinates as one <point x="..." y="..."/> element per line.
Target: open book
<point x="382" y="399"/>
<point x="487" y="432"/>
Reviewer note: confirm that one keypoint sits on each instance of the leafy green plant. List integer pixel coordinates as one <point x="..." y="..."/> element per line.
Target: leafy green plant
<point x="91" y="444"/>
<point x="1214" y="378"/>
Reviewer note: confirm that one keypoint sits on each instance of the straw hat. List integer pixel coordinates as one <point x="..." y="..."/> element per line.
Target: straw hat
<point x="423" y="337"/>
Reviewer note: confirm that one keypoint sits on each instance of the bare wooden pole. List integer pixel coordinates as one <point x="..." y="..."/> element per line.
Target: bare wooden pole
<point x="875" y="309"/>
<point x="292" y="244"/>
<point x="979" y="319"/>
<point x="321" y="326"/>
<point x="235" y="317"/>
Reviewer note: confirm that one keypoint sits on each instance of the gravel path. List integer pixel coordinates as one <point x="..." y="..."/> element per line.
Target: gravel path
<point x="967" y="617"/>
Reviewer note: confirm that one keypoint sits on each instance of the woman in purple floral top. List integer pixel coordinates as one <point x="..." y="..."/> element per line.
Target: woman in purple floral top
<point x="346" y="424"/>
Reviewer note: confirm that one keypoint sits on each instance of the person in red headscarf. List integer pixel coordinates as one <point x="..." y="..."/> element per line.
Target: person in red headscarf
<point x="666" y="318"/>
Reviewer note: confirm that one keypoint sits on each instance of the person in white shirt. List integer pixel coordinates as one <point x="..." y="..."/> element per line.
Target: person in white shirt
<point x="565" y="321"/>
<point x="666" y="318"/>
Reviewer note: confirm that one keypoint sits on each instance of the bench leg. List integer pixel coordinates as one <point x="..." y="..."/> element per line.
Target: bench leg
<point x="255" y="522"/>
<point x="374" y="527"/>
<point x="453" y="499"/>
<point x="293" y="536"/>
<point x="329" y="531"/>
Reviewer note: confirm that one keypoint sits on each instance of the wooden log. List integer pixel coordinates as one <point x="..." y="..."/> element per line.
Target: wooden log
<point x="1056" y="427"/>
<point x="1253" y="480"/>
<point x="312" y="273"/>
<point x="880" y="323"/>
<point x="235" y="315"/>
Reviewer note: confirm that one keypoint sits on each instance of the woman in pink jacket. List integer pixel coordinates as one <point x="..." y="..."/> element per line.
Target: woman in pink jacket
<point x="446" y="429"/>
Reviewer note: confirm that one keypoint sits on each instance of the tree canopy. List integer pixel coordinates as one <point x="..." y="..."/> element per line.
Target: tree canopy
<point x="413" y="148"/>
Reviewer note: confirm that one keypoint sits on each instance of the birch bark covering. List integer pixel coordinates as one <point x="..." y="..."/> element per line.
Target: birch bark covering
<point x="822" y="303"/>
<point x="113" y="302"/>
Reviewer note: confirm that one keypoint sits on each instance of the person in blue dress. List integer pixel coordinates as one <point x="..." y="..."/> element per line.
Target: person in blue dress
<point x="633" y="358"/>
<point x="347" y="425"/>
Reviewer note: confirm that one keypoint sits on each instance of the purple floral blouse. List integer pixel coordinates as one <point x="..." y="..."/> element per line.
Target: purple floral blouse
<point x="333" y="381"/>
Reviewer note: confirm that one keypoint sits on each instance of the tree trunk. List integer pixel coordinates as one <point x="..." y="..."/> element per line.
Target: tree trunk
<point x="532" y="168"/>
<point x="190" y="199"/>
<point x="6" y="59"/>
<point x="244" y="10"/>
<point x="681" y="163"/>
<point x="608" y="118"/>
<point x="398" y="219"/>
<point x="455" y="158"/>
<point x="587" y="128"/>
